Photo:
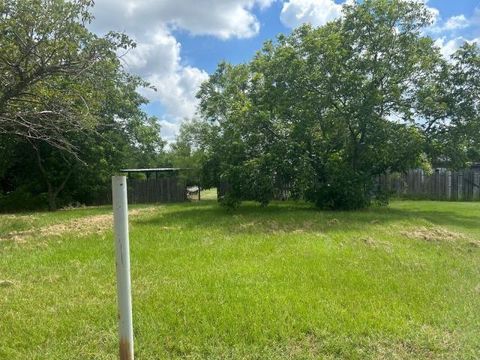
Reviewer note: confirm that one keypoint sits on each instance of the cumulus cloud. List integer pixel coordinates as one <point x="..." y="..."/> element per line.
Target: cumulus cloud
<point x="319" y="12"/>
<point x="457" y="22"/>
<point x="315" y="12"/>
<point x="452" y="24"/>
<point x="169" y="129"/>
<point x="449" y="46"/>
<point x="157" y="57"/>
<point x="451" y="32"/>
<point x="221" y="18"/>
<point x="158" y="61"/>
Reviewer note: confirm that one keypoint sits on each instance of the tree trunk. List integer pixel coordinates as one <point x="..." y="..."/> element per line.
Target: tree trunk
<point x="52" y="200"/>
<point x="52" y="192"/>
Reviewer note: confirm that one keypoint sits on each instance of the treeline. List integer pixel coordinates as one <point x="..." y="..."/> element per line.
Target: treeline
<point x="327" y="110"/>
<point x="70" y="115"/>
<point x="322" y="111"/>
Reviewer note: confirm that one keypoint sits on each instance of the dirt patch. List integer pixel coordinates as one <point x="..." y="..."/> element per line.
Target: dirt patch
<point x="276" y="227"/>
<point x="136" y="212"/>
<point x="248" y="225"/>
<point x="431" y="343"/>
<point x="308" y="347"/>
<point x="433" y="234"/>
<point x="376" y="244"/>
<point x="369" y="241"/>
<point x="6" y="283"/>
<point x="84" y="226"/>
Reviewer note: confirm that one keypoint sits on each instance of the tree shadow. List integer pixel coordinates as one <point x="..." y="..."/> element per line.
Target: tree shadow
<point x="298" y="217"/>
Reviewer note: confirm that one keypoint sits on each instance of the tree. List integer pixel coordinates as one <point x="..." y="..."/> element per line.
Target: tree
<point x="323" y="110"/>
<point x="450" y="107"/>
<point x="66" y="103"/>
<point x="53" y="69"/>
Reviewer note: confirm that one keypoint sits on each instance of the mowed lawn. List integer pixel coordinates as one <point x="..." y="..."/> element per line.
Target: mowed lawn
<point x="282" y="282"/>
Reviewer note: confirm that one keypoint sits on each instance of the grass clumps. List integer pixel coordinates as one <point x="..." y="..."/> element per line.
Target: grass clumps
<point x="282" y="282"/>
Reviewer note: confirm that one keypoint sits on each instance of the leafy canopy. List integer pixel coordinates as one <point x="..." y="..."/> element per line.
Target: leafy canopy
<point x="322" y="111"/>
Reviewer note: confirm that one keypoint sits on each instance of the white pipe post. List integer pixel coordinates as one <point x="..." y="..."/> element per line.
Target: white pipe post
<point x="122" y="253"/>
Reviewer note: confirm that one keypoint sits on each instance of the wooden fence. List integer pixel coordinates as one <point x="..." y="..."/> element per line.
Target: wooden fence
<point x="463" y="185"/>
<point x="279" y="192"/>
<point x="162" y="190"/>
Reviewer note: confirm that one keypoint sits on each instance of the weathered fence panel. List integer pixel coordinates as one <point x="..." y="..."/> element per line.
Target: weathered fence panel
<point x="162" y="190"/>
<point x="462" y="185"/>
<point x="280" y="192"/>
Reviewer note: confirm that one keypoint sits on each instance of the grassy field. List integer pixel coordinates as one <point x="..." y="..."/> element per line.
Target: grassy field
<point x="282" y="282"/>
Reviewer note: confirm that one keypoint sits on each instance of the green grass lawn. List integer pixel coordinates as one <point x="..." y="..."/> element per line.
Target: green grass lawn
<point x="282" y="282"/>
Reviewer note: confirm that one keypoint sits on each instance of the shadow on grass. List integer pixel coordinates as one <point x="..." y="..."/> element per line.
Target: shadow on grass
<point x="300" y="216"/>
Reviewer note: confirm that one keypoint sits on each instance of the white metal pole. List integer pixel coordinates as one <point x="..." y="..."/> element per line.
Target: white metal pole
<point x="122" y="253"/>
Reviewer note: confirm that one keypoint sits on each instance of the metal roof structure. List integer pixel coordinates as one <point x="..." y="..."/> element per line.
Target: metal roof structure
<point x="151" y="170"/>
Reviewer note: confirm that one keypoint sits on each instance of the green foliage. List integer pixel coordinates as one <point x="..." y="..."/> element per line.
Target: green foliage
<point x="450" y="110"/>
<point x="322" y="111"/>
<point x="22" y="199"/>
<point x="341" y="190"/>
<point x="70" y="116"/>
<point x="185" y="152"/>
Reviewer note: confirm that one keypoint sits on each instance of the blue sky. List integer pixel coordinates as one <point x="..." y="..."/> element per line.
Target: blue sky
<point x="180" y="42"/>
<point x="207" y="51"/>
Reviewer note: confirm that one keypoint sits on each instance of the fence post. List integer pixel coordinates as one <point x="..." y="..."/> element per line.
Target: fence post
<point x="476" y="185"/>
<point x="460" y="185"/>
<point x="122" y="253"/>
<point x="449" y="185"/>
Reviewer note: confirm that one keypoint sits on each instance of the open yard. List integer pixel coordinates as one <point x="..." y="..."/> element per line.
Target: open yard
<point x="282" y="282"/>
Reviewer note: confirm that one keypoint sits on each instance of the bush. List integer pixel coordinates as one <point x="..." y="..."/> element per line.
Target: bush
<point x="341" y="188"/>
<point x="339" y="196"/>
<point x="21" y="200"/>
<point x="229" y="201"/>
<point x="382" y="197"/>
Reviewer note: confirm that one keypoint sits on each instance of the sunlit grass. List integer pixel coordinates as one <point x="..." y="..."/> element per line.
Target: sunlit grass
<point x="286" y="281"/>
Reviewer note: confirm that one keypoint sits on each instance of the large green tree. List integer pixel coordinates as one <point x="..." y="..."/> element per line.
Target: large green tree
<point x="323" y="111"/>
<point x="450" y="109"/>
<point x="69" y="113"/>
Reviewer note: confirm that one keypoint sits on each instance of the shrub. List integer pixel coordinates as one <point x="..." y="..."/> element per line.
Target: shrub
<point x="340" y="194"/>
<point x="22" y="199"/>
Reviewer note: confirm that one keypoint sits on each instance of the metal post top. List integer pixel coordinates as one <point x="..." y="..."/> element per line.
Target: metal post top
<point x="118" y="177"/>
<point x="119" y="180"/>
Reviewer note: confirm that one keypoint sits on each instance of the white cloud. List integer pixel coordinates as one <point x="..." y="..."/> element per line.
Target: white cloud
<point x="453" y="23"/>
<point x="157" y="57"/>
<point x="450" y="41"/>
<point x="449" y="46"/>
<point x="221" y="18"/>
<point x="315" y="12"/>
<point x="457" y="22"/>
<point x="319" y="12"/>
<point x="169" y="130"/>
